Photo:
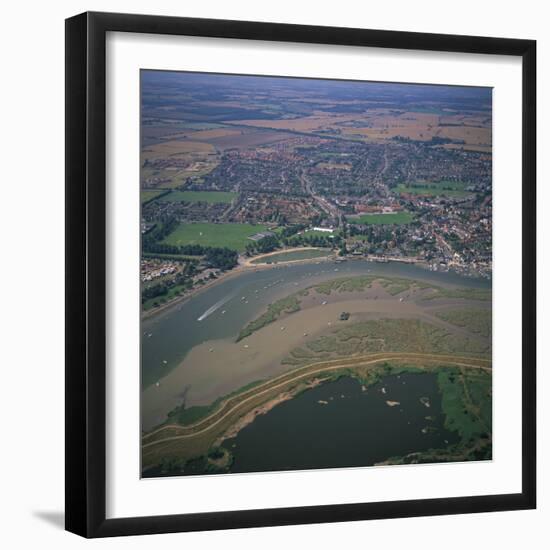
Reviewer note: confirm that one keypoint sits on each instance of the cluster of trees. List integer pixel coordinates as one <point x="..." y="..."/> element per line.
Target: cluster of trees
<point x="292" y="230"/>
<point x="221" y="258"/>
<point x="162" y="229"/>
<point x="153" y="291"/>
<point x="184" y="250"/>
<point x="321" y="240"/>
<point x="182" y="278"/>
<point x="263" y="246"/>
<point x="288" y="237"/>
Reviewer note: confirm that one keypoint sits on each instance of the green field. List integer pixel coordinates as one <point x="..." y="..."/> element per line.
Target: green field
<point x="150" y="194"/>
<point x="483" y="294"/>
<point x="230" y="235"/>
<point x="290" y="304"/>
<point x="466" y="402"/>
<point x="399" y="335"/>
<point x="396" y="218"/>
<point x="200" y="196"/>
<point x="432" y="189"/>
<point x="476" y="320"/>
<point x="308" y="254"/>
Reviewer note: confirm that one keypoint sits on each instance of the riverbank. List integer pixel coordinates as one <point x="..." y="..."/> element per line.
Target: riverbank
<point x="245" y="264"/>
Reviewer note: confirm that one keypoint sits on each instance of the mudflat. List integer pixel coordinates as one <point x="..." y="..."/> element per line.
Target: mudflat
<point x="215" y="368"/>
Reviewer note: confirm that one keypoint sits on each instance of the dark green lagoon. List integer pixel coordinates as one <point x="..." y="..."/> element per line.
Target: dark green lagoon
<point x="343" y="424"/>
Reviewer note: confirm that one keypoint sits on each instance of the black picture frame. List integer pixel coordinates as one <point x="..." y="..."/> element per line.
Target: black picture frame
<point x="86" y="279"/>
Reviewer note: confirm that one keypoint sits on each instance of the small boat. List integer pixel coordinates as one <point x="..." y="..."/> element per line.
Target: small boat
<point x="164" y="362"/>
<point x="157" y="384"/>
<point x="324" y="303"/>
<point x="223" y="311"/>
<point x="211" y="350"/>
<point x="305" y="333"/>
<point x="282" y="328"/>
<point x="246" y="346"/>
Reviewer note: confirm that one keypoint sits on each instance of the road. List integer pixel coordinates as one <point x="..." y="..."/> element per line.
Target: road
<point x="326" y="206"/>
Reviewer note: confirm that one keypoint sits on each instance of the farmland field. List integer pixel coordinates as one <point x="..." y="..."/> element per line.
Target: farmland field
<point x="247" y="138"/>
<point x="175" y="149"/>
<point x="230" y="235"/>
<point x="200" y="196"/>
<point x="396" y="218"/>
<point x="303" y="124"/>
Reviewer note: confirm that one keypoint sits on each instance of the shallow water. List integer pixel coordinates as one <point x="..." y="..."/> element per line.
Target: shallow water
<point x="169" y="336"/>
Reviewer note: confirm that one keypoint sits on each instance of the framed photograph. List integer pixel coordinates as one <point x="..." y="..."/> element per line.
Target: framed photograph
<point x="300" y="274"/>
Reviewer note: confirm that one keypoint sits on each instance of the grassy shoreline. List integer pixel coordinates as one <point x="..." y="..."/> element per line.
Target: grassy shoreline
<point x="392" y="285"/>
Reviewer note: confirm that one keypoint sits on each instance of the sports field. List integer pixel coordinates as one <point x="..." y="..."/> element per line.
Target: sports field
<point x="230" y="235"/>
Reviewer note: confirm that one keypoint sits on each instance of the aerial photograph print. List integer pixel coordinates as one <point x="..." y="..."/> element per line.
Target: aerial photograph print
<point x="315" y="273"/>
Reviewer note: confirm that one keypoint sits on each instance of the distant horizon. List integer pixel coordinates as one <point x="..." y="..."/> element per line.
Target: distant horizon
<point x="320" y="85"/>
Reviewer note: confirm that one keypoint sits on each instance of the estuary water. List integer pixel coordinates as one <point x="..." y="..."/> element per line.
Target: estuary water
<point x="223" y="309"/>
